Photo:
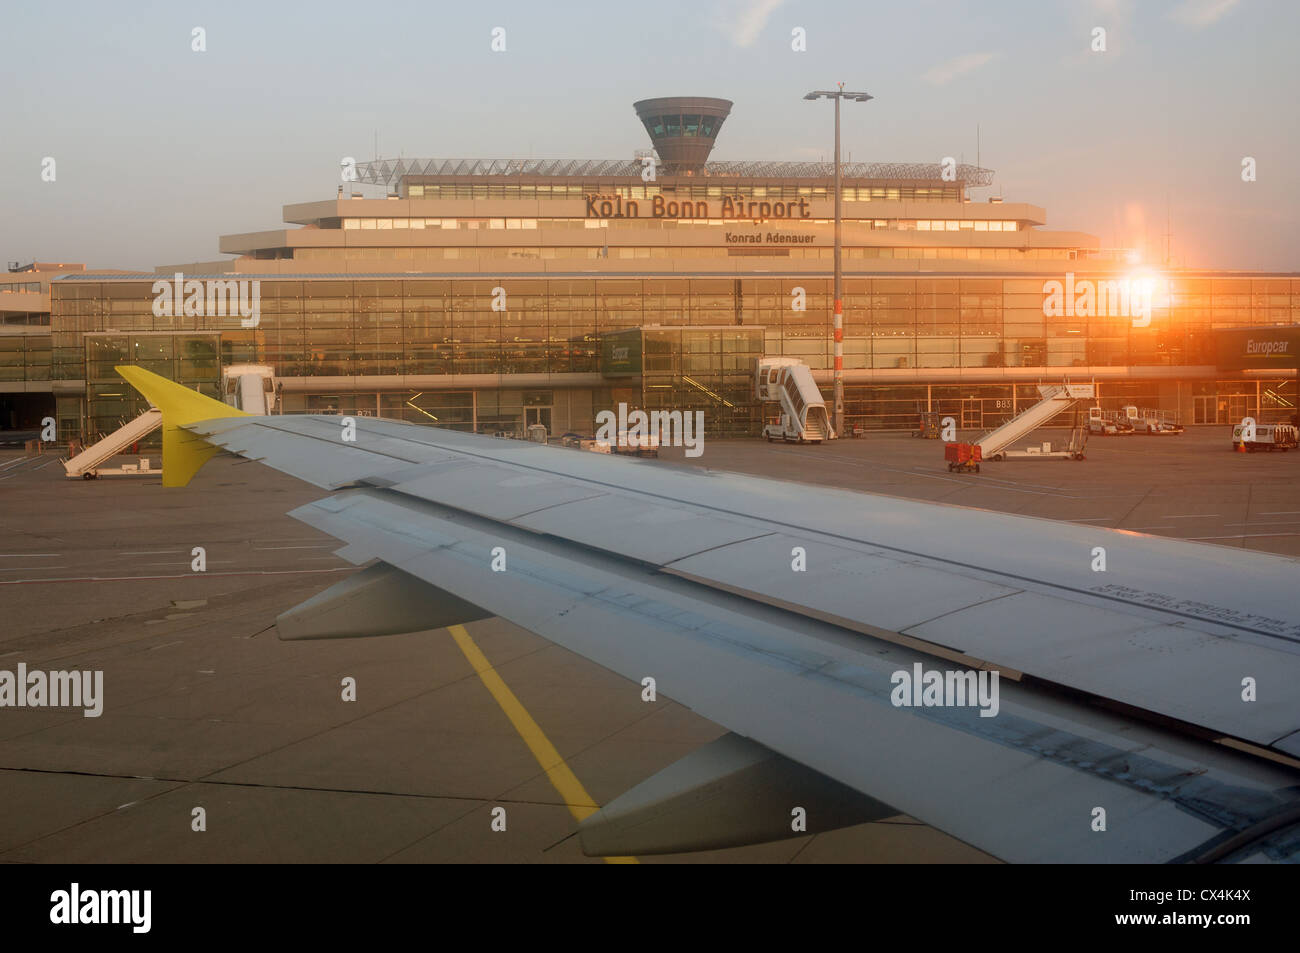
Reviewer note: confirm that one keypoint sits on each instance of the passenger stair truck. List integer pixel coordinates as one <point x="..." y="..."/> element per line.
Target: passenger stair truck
<point x="250" y="388"/>
<point x="88" y="464"/>
<point x="787" y="381"/>
<point x="1054" y="399"/>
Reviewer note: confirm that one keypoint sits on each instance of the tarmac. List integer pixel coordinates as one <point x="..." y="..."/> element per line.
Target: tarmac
<point x="205" y="708"/>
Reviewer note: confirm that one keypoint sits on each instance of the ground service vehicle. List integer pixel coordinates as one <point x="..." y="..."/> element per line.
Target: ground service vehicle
<point x="1265" y="437"/>
<point x="1099" y="425"/>
<point x="638" y="444"/>
<point x="788" y="382"/>
<point x="1153" y="422"/>
<point x="962" y="457"/>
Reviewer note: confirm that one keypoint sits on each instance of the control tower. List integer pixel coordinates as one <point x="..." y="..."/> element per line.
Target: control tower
<point x="683" y="128"/>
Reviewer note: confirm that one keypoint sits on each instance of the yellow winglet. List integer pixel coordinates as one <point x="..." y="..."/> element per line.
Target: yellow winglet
<point x="183" y="452"/>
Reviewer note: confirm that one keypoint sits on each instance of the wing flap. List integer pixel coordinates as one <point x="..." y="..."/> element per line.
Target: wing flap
<point x="492" y="490"/>
<point x="855" y="587"/>
<point x="1175" y="668"/>
<point x="648" y="530"/>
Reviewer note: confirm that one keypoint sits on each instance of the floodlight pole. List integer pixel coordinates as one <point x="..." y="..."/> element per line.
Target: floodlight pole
<point x="838" y="399"/>
<point x="838" y="423"/>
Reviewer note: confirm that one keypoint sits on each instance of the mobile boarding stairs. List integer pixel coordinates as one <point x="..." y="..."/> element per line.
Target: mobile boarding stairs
<point x="88" y="464"/>
<point x="787" y="381"/>
<point x="251" y="388"/>
<point x="1053" y="399"/>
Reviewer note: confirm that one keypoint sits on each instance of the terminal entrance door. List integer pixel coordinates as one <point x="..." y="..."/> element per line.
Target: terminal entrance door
<point x="537" y="409"/>
<point x="972" y="414"/>
<point x="1238" y="407"/>
<point x="537" y="415"/>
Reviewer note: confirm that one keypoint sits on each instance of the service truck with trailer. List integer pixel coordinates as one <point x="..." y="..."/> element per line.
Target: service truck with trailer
<point x="1154" y="423"/>
<point x="1098" y="425"/>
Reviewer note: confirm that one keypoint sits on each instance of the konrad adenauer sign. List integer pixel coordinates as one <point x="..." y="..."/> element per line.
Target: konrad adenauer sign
<point x="769" y="238"/>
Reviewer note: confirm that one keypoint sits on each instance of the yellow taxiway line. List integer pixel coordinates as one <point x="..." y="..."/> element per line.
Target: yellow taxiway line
<point x="576" y="799"/>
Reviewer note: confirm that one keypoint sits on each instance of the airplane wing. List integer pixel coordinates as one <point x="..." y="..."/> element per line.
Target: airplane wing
<point x="1147" y="700"/>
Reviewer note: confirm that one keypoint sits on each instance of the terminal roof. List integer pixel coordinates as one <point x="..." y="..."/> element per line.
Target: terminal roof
<point x="390" y="171"/>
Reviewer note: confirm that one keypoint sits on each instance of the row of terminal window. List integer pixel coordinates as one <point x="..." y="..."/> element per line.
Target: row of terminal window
<point x="523" y="191"/>
<point x="471" y="253"/>
<point x="676" y="125"/>
<point x="899" y="224"/>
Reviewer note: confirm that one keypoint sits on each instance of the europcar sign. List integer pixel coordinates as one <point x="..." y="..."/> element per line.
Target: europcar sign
<point x="1253" y="348"/>
<point x="620" y="352"/>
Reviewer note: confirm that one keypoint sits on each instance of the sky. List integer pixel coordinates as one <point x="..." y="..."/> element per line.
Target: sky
<point x="159" y="149"/>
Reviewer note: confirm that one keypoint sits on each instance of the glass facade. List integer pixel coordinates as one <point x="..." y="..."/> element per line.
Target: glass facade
<point x="913" y="328"/>
<point x="687" y="369"/>
<point x="463" y="222"/>
<point x="418" y="255"/>
<point x="25" y="357"/>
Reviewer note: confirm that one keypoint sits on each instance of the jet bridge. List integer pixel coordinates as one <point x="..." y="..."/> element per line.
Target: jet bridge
<point x="87" y="464"/>
<point x="1055" y="398"/>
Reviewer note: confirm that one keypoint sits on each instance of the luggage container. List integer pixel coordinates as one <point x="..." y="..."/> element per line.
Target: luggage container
<point x="962" y="457"/>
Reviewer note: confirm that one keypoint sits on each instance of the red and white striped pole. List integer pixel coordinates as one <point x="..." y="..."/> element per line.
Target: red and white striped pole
<point x="839" y="303"/>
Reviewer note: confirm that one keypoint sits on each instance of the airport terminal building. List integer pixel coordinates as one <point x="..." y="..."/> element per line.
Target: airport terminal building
<point x="492" y="294"/>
